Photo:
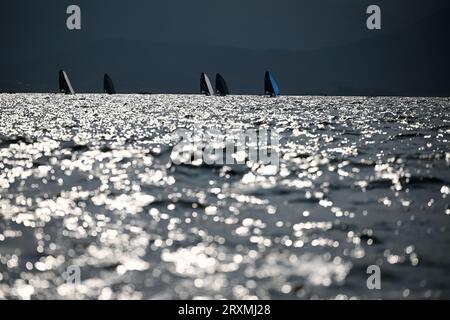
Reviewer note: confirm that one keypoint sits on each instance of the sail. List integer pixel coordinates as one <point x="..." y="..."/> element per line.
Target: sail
<point x="271" y="87"/>
<point x="108" y="86"/>
<point x="221" y="86"/>
<point x="64" y="83"/>
<point x="205" y="85"/>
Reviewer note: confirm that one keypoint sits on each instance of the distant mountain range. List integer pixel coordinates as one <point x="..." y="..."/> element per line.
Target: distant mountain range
<point x="412" y="62"/>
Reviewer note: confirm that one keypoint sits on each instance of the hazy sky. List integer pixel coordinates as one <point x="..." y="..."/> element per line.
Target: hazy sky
<point x="258" y="24"/>
<point x="163" y="45"/>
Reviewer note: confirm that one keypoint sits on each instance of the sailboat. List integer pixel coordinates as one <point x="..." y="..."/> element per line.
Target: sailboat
<point x="271" y="87"/>
<point x="64" y="83"/>
<point x="108" y="85"/>
<point x="221" y="86"/>
<point x="205" y="85"/>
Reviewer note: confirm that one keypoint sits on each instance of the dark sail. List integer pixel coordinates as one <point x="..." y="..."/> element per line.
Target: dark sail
<point x="221" y="86"/>
<point x="108" y="86"/>
<point x="64" y="83"/>
<point x="205" y="85"/>
<point x="270" y="85"/>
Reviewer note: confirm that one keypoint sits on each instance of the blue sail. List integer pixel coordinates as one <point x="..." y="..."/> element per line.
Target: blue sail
<point x="271" y="87"/>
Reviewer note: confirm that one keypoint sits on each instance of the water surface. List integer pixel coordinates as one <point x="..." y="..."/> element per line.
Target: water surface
<point x="91" y="181"/>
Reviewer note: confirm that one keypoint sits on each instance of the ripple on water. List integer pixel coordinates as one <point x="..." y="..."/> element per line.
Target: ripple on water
<point x="95" y="182"/>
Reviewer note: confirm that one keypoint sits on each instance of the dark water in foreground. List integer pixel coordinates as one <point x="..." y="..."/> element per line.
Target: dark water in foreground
<point x="89" y="181"/>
